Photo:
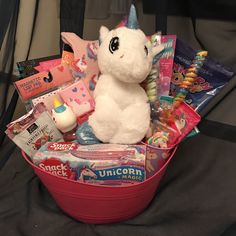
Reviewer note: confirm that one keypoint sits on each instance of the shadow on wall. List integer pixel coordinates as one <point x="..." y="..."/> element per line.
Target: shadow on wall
<point x="92" y="26"/>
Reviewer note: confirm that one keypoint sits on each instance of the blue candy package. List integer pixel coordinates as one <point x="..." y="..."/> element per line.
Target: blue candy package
<point x="211" y="77"/>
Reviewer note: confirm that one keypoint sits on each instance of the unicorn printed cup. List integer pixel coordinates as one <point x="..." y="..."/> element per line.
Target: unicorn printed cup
<point x="156" y="158"/>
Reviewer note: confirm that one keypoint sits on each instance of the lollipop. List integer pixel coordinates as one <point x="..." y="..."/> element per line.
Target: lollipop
<point x="159" y="139"/>
<point x="151" y="85"/>
<point x="190" y="77"/>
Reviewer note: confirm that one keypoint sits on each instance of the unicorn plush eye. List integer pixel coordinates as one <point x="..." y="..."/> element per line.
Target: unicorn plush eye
<point x="146" y="50"/>
<point x="114" y="44"/>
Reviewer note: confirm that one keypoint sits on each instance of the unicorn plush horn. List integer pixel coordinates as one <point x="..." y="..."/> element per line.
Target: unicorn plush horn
<point x="132" y="19"/>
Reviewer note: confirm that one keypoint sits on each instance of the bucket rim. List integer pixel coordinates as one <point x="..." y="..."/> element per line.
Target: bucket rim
<point x="100" y="186"/>
<point x="161" y="149"/>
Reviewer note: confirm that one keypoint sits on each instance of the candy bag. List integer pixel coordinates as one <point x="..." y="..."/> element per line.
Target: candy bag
<point x="162" y="135"/>
<point x="166" y="64"/>
<point x="185" y="119"/>
<point x="211" y="77"/>
<point x="176" y="121"/>
<point x="159" y="79"/>
<point x="33" y="130"/>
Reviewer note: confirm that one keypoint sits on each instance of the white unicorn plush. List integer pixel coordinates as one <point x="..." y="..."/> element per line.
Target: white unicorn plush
<point x="122" y="111"/>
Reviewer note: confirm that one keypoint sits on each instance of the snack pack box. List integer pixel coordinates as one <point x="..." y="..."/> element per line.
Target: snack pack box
<point x="104" y="164"/>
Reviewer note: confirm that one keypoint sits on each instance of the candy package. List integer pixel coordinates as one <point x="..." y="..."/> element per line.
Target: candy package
<point x="104" y="164"/>
<point x="159" y="79"/>
<point x="174" y="122"/>
<point x="33" y="130"/>
<point x="185" y="119"/>
<point x="166" y="64"/>
<point x="211" y="77"/>
<point x="163" y="135"/>
<point x="151" y="84"/>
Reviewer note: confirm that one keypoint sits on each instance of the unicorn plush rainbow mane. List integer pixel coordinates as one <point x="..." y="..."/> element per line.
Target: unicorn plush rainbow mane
<point x="122" y="111"/>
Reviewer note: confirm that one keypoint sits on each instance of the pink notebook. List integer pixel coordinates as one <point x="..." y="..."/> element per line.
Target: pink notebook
<point x="78" y="98"/>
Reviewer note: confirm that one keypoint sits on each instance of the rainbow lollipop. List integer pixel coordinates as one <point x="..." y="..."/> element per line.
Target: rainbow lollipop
<point x="151" y="85"/>
<point x="190" y="77"/>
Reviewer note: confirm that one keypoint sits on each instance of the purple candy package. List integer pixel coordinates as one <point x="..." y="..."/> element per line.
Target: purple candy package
<point x="211" y="77"/>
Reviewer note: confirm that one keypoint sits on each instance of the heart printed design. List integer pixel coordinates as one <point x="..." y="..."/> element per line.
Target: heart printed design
<point x="60" y="68"/>
<point x="49" y="78"/>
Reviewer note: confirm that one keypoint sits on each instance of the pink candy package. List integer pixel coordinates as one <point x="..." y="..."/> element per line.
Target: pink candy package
<point x="185" y="119"/>
<point x="33" y="130"/>
<point x="103" y="164"/>
<point x="179" y="120"/>
<point x="166" y="64"/>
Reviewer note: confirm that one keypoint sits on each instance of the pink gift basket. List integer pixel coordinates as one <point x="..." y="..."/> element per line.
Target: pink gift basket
<point x="96" y="204"/>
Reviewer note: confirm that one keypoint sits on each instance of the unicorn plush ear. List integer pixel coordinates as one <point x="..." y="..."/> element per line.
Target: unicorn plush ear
<point x="103" y="33"/>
